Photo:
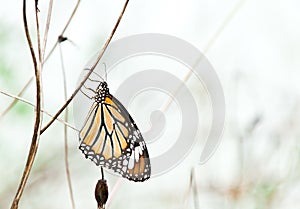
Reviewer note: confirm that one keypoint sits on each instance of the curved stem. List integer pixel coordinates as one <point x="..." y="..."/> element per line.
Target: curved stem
<point x="38" y="115"/>
<point x="44" y="60"/>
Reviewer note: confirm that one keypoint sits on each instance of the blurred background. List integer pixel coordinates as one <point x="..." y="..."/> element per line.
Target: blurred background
<point x="253" y="47"/>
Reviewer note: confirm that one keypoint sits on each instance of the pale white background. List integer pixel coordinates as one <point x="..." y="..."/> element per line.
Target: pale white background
<point x="253" y="46"/>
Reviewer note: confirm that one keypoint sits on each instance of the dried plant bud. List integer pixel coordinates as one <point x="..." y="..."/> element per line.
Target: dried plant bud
<point x="101" y="193"/>
<point x="62" y="39"/>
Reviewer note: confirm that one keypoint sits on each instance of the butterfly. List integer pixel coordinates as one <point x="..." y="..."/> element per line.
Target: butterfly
<point x="110" y="138"/>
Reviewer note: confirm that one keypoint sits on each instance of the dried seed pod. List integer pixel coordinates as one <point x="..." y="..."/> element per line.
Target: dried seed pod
<point x="101" y="193"/>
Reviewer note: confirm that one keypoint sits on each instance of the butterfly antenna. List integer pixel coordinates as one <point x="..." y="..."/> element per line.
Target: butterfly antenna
<point x="105" y="71"/>
<point x="95" y="74"/>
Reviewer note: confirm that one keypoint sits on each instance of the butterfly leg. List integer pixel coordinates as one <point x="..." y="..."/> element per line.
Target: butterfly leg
<point x="88" y="89"/>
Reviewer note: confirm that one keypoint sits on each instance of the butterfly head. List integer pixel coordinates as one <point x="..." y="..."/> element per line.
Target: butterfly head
<point x="102" y="92"/>
<point x="102" y="86"/>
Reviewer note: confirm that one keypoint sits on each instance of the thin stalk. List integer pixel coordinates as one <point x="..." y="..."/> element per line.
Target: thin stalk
<point x="66" y="155"/>
<point x="90" y="72"/>
<point x="38" y="115"/>
<point x="33" y="105"/>
<point x="45" y="60"/>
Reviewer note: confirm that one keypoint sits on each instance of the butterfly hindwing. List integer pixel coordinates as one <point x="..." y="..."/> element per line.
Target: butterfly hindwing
<point x="138" y="168"/>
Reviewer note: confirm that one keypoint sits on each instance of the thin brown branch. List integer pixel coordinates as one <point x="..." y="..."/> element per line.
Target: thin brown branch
<point x="91" y="70"/>
<point x="47" y="57"/>
<point x="47" y="29"/>
<point x="15" y="100"/>
<point x="33" y="105"/>
<point x="71" y="17"/>
<point x="38" y="32"/>
<point x="64" y="29"/>
<point x="38" y="116"/>
<point x="66" y="155"/>
<point x="102" y="173"/>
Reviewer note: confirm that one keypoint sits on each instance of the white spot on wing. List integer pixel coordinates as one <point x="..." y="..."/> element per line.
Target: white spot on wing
<point x="131" y="162"/>
<point x="137" y="153"/>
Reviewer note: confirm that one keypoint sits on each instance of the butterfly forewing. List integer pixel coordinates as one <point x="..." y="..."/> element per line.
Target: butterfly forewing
<point x="110" y="138"/>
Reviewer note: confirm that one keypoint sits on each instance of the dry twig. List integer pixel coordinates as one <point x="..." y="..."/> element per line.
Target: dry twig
<point x="90" y="71"/>
<point x="33" y="105"/>
<point x="44" y="60"/>
<point x="66" y="132"/>
<point x="38" y="115"/>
